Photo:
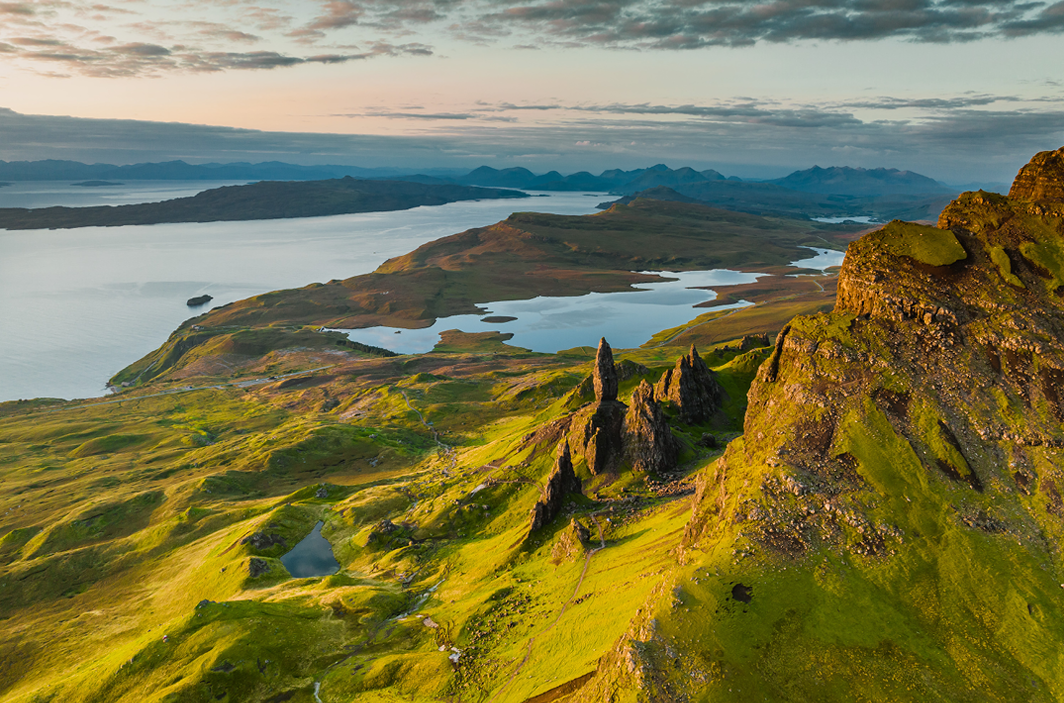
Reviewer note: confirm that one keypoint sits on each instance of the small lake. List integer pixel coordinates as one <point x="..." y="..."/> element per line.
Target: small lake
<point x="626" y="318"/>
<point x="313" y="556"/>
<point x="78" y="305"/>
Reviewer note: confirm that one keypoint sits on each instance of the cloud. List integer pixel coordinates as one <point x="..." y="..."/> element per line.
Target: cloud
<point x="16" y="8"/>
<point x="307" y="32"/>
<point x="692" y="24"/>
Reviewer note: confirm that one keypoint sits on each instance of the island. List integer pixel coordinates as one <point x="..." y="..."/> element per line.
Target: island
<point x="97" y="184"/>
<point x="199" y="300"/>
<point x="266" y="200"/>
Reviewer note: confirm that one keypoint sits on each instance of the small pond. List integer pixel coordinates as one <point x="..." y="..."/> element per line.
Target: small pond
<point x="313" y="556"/>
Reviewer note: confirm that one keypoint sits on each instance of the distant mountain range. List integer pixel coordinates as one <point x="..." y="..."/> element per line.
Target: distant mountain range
<point x="861" y="182"/>
<point x="614" y="180"/>
<point x="816" y="192"/>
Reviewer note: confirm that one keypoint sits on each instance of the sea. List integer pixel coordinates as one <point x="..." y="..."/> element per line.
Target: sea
<point x="79" y="305"/>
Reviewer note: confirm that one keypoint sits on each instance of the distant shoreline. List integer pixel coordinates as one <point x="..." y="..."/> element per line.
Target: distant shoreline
<point x="266" y="200"/>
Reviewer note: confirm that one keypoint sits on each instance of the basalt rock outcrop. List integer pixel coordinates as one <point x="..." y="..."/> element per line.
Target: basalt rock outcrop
<point x="599" y="427"/>
<point x="562" y="482"/>
<point x="610" y="434"/>
<point x="649" y="443"/>
<point x="900" y="476"/>
<point x="604" y="376"/>
<point x="572" y="543"/>
<point x="1041" y="179"/>
<point x="691" y="388"/>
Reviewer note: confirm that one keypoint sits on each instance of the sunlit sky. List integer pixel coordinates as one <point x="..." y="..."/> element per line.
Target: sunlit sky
<point x="961" y="90"/>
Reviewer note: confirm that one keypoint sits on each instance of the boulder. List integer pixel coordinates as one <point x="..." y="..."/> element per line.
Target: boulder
<point x="561" y="482"/>
<point x="572" y="543"/>
<point x="260" y="541"/>
<point x="648" y="442"/>
<point x="692" y="388"/>
<point x="257" y="567"/>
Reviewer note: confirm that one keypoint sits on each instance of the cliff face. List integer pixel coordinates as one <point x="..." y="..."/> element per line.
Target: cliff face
<point x="890" y="525"/>
<point x="1041" y="179"/>
<point x="561" y="482"/>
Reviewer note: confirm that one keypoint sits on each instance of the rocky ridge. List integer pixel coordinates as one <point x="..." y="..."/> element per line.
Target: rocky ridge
<point x="562" y="482"/>
<point x="893" y="511"/>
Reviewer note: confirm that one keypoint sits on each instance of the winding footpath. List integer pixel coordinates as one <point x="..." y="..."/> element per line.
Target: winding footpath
<point x="576" y="592"/>
<point x="446" y="449"/>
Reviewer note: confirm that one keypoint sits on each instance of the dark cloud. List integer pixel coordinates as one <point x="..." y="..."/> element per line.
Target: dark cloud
<point x="617" y="24"/>
<point x="143" y="58"/>
<point x="690" y="24"/>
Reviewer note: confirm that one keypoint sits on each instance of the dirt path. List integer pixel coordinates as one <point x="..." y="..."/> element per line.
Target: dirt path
<point x="576" y="592"/>
<point x="447" y="449"/>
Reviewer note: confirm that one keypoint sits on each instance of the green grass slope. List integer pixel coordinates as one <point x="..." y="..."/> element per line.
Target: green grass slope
<point x="140" y="538"/>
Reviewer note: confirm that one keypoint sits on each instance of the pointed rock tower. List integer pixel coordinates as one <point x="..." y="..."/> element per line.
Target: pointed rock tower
<point x="692" y="388"/>
<point x="598" y="428"/>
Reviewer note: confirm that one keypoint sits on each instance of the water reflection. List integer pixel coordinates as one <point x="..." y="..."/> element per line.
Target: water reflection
<point x="313" y="556"/>
<point x="627" y="318"/>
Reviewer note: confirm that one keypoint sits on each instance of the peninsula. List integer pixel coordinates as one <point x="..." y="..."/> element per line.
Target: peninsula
<point x="267" y="200"/>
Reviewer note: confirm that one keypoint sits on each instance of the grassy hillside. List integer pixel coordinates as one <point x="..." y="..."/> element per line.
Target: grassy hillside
<point x="873" y="512"/>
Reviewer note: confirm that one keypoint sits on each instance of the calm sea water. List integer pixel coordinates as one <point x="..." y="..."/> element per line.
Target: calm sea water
<point x="77" y="306"/>
<point x="625" y="318"/>
<point x="51" y="193"/>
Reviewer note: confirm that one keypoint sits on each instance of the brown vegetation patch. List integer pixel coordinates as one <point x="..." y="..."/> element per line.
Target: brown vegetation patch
<point x="896" y="404"/>
<point x="1052" y="379"/>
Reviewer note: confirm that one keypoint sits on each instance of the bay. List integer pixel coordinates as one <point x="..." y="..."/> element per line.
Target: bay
<point x="626" y="319"/>
<point x="77" y="306"/>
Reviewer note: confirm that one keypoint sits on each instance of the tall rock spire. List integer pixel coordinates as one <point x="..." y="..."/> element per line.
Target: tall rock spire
<point x="605" y="374"/>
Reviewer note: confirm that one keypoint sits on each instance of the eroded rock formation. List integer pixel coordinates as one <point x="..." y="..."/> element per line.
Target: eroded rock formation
<point x="604" y="376"/>
<point x="598" y="428"/>
<point x="1041" y="179"/>
<point x="649" y="443"/>
<point x="692" y="388"/>
<point x="561" y="482"/>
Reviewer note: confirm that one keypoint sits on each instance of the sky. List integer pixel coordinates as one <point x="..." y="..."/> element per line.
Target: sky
<point x="961" y="90"/>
